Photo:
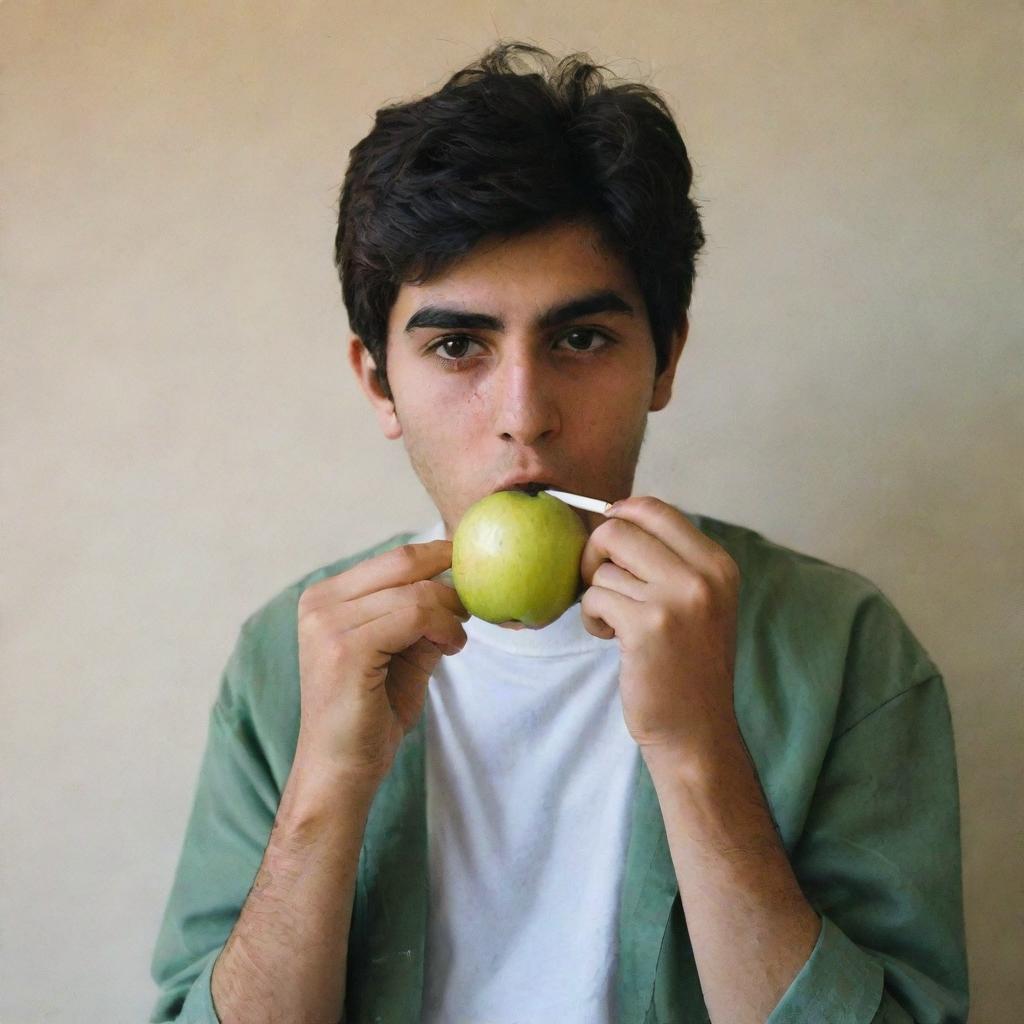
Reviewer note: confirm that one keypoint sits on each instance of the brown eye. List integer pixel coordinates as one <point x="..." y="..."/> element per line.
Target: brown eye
<point x="587" y="333"/>
<point x="458" y="343"/>
<point x="453" y="348"/>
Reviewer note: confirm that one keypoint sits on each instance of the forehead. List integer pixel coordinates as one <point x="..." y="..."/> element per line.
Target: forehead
<point x="515" y="277"/>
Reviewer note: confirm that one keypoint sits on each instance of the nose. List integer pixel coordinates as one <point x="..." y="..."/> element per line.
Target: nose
<point x="525" y="411"/>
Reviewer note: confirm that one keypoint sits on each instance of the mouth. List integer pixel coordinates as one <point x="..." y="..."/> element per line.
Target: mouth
<point x="531" y="487"/>
<point x="534" y="487"/>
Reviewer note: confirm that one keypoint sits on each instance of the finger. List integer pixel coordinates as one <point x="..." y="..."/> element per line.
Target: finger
<point x="631" y="548"/>
<point x="421" y="658"/>
<point x="605" y="613"/>
<point x="407" y="563"/>
<point x="670" y="526"/>
<point x="610" y="576"/>
<point x="423" y="593"/>
<point x="398" y="630"/>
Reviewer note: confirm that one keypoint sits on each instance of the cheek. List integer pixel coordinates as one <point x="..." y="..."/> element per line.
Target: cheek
<point x="437" y="404"/>
<point x="449" y="422"/>
<point x="463" y="409"/>
<point x="612" y="422"/>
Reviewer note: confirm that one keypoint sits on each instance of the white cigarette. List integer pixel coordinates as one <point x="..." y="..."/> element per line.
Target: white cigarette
<point x="579" y="501"/>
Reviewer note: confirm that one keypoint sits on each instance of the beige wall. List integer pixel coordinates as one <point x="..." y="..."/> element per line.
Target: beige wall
<point x="182" y="436"/>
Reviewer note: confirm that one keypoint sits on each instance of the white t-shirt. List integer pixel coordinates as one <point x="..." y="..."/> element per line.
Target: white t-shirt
<point x="530" y="777"/>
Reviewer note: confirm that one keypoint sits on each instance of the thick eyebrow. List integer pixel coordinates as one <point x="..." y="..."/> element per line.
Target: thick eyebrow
<point x="604" y="301"/>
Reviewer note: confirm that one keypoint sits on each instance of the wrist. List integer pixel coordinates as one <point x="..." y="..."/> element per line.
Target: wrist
<point x="699" y="761"/>
<point x="318" y="761"/>
<point x="321" y="792"/>
<point x="715" y="795"/>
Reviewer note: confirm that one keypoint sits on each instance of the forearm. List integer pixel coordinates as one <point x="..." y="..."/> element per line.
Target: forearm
<point x="285" y="958"/>
<point x="749" y="924"/>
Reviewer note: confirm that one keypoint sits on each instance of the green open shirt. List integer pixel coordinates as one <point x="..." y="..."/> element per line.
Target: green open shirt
<point x="847" y="721"/>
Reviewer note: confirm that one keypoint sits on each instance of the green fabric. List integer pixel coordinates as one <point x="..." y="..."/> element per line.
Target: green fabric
<point x="845" y="716"/>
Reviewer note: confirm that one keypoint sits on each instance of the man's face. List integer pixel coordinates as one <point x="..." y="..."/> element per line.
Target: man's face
<point x="509" y="395"/>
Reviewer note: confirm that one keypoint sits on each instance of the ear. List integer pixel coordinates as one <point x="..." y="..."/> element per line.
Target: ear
<point x="366" y="373"/>
<point x="662" y="391"/>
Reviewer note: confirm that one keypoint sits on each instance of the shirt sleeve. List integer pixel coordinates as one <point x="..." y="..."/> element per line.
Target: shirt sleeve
<point x="880" y="861"/>
<point x="230" y="823"/>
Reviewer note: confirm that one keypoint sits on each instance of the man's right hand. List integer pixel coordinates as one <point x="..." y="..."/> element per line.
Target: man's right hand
<point x="369" y="640"/>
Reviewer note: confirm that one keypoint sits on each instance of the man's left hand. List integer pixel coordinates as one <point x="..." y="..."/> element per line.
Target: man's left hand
<point x="669" y="594"/>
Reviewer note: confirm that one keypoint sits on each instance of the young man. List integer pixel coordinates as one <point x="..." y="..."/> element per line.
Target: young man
<point x="721" y="786"/>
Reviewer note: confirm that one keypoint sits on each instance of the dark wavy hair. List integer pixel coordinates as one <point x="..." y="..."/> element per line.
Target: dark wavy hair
<point x="501" y="150"/>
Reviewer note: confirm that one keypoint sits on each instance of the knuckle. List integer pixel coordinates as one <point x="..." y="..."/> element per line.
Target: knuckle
<point x="336" y="646"/>
<point x="404" y="554"/>
<point x="701" y="592"/>
<point x="308" y="598"/>
<point x="729" y="570"/>
<point x="610" y="527"/>
<point x="659" y="618"/>
<point x="419" y="616"/>
<point x="313" y="620"/>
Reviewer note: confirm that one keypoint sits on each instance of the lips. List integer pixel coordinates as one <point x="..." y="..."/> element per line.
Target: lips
<point x="531" y="483"/>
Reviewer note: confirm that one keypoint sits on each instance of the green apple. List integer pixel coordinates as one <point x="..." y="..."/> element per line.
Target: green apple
<point x="516" y="558"/>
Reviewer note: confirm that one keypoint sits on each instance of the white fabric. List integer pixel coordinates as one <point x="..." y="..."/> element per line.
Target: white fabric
<point x="530" y="778"/>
